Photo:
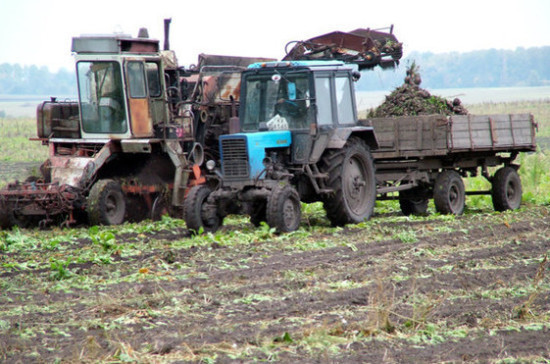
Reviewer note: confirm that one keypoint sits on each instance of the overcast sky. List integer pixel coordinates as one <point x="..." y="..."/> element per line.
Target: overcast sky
<point x="39" y="31"/>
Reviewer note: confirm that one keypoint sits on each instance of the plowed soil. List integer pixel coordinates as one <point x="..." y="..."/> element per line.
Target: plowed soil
<point x="394" y="289"/>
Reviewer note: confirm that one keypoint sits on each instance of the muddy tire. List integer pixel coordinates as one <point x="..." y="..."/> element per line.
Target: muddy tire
<point x="449" y="193"/>
<point x="351" y="177"/>
<point x="195" y="211"/>
<point x="106" y="203"/>
<point x="413" y="201"/>
<point x="283" y="209"/>
<point x="506" y="189"/>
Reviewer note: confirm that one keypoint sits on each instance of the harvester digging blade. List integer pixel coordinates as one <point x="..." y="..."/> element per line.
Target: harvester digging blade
<point x="364" y="47"/>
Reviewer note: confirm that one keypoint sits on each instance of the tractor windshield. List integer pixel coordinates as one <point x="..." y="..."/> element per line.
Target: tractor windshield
<point x="101" y="98"/>
<point x="276" y="101"/>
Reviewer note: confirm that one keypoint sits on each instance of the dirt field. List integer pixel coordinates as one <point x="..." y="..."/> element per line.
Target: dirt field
<point x="394" y="289"/>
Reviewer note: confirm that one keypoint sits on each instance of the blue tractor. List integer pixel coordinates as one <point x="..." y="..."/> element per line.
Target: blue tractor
<point x="297" y="139"/>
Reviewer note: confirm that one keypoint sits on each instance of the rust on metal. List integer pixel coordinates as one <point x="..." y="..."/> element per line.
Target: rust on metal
<point x="365" y="47"/>
<point x="140" y="118"/>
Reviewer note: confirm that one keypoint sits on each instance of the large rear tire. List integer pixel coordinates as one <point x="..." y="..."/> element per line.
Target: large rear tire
<point x="283" y="210"/>
<point x="351" y="177"/>
<point x="449" y="193"/>
<point x="197" y="213"/>
<point x="106" y="203"/>
<point x="506" y="191"/>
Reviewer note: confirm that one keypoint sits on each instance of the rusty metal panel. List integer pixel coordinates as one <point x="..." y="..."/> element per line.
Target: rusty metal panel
<point x="140" y="120"/>
<point x="365" y="47"/>
<point x="58" y="119"/>
<point x="220" y="77"/>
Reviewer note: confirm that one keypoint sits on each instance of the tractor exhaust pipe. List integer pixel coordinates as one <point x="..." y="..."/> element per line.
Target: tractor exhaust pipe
<point x="167" y="33"/>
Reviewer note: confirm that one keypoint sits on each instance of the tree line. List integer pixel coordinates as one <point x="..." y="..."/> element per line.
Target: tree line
<point x="484" y="68"/>
<point x="16" y="79"/>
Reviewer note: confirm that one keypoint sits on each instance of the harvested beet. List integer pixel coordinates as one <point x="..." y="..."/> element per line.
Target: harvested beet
<point x="409" y="99"/>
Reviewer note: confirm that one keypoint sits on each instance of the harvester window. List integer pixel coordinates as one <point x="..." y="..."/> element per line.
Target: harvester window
<point x="153" y="79"/>
<point x="136" y="80"/>
<point x="344" y="102"/>
<point x="101" y="97"/>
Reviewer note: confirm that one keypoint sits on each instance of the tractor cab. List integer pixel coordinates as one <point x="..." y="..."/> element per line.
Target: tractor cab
<point x="297" y="95"/>
<point x="291" y="110"/>
<point x="120" y="86"/>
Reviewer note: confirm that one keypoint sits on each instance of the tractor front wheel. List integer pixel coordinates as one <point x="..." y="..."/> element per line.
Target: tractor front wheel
<point x="197" y="213"/>
<point x="283" y="210"/>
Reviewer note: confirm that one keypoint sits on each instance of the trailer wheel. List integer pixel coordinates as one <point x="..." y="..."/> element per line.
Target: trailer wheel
<point x="506" y="191"/>
<point x="283" y="210"/>
<point x="351" y="177"/>
<point x="106" y="203"/>
<point x="449" y="193"/>
<point x="197" y="213"/>
<point x="413" y="201"/>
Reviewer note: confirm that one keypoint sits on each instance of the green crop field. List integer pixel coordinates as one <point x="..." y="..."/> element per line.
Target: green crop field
<point x="436" y="288"/>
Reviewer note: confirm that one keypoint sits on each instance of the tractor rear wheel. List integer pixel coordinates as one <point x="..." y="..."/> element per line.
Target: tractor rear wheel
<point x="106" y="203"/>
<point x="197" y="213"/>
<point x="351" y="177"/>
<point x="283" y="210"/>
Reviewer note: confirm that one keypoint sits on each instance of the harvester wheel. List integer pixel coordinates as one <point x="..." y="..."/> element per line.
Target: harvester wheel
<point x="449" y="193"/>
<point x="106" y="203"/>
<point x="198" y="213"/>
<point x="351" y="177"/>
<point x="283" y="210"/>
<point x="413" y="201"/>
<point x="506" y="191"/>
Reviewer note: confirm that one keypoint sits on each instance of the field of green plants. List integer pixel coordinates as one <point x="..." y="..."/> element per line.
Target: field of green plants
<point x="436" y="288"/>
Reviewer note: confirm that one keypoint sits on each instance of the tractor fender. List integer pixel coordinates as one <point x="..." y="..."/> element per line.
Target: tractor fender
<point x="339" y="137"/>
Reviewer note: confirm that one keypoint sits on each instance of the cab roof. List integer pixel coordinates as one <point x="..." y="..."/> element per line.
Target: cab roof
<point x="308" y="64"/>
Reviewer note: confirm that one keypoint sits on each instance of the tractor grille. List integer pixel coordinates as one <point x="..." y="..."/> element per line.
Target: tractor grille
<point x="235" y="158"/>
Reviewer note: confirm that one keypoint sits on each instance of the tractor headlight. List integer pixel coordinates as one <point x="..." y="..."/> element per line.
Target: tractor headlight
<point x="210" y="165"/>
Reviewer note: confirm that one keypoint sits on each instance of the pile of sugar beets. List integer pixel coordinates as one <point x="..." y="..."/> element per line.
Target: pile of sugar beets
<point x="409" y="100"/>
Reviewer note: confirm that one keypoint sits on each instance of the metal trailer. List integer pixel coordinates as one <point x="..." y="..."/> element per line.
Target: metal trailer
<point x="424" y="157"/>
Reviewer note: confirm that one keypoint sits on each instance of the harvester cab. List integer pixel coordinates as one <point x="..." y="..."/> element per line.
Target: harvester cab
<point x="125" y="150"/>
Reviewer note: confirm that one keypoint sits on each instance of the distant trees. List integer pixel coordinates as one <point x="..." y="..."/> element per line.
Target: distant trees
<point x="484" y="68"/>
<point x="32" y="80"/>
